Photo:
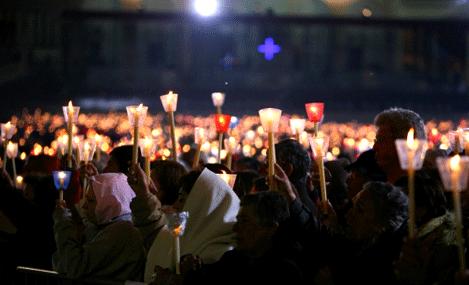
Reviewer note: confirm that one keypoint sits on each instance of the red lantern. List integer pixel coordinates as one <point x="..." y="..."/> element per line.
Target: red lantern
<point x="315" y="111"/>
<point x="222" y="122"/>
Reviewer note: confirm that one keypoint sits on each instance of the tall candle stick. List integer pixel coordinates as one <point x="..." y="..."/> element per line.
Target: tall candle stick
<point x="177" y="254"/>
<point x="220" y="146"/>
<point x="195" y="163"/>
<point x="270" y="119"/>
<point x="70" y="134"/>
<point x="135" y="138"/>
<point x="455" y="176"/>
<point x="169" y="102"/>
<point x="199" y="139"/>
<point x="319" y="146"/>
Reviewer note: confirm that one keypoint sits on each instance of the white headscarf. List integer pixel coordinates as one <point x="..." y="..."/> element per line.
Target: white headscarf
<point x="113" y="196"/>
<point x="212" y="207"/>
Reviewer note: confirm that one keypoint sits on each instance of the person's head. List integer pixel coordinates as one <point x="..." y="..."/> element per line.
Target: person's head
<point x="247" y="163"/>
<point x="166" y="174"/>
<point x="258" y="220"/>
<point x="120" y="159"/>
<point x="293" y="159"/>
<point x="378" y="208"/>
<point x="109" y="197"/>
<point x="244" y="182"/>
<point x="361" y="171"/>
<point x="394" y="124"/>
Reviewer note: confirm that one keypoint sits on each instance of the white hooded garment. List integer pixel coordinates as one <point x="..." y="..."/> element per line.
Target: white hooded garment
<point x="212" y="207"/>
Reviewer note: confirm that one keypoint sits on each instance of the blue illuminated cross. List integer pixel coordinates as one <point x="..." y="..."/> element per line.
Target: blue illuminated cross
<point x="269" y="48"/>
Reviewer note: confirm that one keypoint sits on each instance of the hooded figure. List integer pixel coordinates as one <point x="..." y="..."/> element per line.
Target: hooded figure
<point x="115" y="249"/>
<point x="212" y="207"/>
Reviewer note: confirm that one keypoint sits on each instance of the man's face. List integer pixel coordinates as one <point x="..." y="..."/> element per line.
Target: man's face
<point x="385" y="149"/>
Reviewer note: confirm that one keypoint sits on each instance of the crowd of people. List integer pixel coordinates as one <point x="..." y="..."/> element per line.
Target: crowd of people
<point x="113" y="221"/>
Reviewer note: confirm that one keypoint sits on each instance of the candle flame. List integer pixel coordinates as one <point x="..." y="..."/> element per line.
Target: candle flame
<point x="454" y="163"/>
<point x="411" y="143"/>
<point x="19" y="179"/>
<point x="314" y="109"/>
<point x="70" y="106"/>
<point x="61" y="174"/>
<point x="178" y="230"/>
<point x="139" y="108"/>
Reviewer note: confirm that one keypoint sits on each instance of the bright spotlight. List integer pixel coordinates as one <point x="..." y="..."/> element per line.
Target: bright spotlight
<point x="206" y="7"/>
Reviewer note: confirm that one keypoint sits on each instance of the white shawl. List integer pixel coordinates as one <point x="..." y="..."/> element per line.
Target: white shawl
<point x="212" y="207"/>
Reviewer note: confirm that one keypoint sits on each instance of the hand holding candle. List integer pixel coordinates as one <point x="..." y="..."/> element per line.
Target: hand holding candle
<point x="454" y="173"/>
<point x="411" y="153"/>
<point x="270" y="120"/>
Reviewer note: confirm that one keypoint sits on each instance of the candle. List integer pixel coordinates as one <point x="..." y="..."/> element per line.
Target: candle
<point x="218" y="99"/>
<point x="319" y="146"/>
<point x="61" y="181"/>
<point x="270" y="119"/>
<point x="177" y="248"/>
<point x="231" y="144"/>
<point x="136" y="115"/>
<point x="199" y="139"/>
<point x="98" y="140"/>
<point x="315" y="112"/>
<point x="169" y="102"/>
<point x="455" y="168"/>
<point x="86" y="149"/>
<point x="222" y="123"/>
<point x="411" y="153"/>
<point x="71" y="116"/>
<point x="297" y="127"/>
<point x="12" y="153"/>
<point x="19" y="182"/>
<point x="8" y="131"/>
<point x="62" y="177"/>
<point x="147" y="147"/>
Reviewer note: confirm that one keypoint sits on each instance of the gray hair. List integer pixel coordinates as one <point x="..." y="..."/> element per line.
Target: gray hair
<point x="390" y="204"/>
<point x="400" y="120"/>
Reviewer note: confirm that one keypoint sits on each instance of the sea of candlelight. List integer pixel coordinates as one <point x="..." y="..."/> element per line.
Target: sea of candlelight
<point x="43" y="132"/>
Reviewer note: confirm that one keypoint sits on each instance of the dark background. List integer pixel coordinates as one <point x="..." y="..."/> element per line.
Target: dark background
<point x="105" y="60"/>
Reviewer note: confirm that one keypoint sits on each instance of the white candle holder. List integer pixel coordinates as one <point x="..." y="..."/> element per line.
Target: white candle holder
<point x="453" y="172"/>
<point x="12" y="150"/>
<point x="169" y="102"/>
<point x="137" y="111"/>
<point x="71" y="110"/>
<point x="218" y="99"/>
<point x="62" y="144"/>
<point x="147" y="146"/>
<point x="319" y="146"/>
<point x="270" y="119"/>
<point x="8" y="130"/>
<point x="413" y="149"/>
<point x="456" y="140"/>
<point x="200" y="135"/>
<point x="86" y="149"/>
<point x="297" y="126"/>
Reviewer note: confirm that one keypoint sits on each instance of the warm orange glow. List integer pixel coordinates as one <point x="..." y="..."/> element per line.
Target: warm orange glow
<point x="411" y="142"/>
<point x="454" y="163"/>
<point x="177" y="231"/>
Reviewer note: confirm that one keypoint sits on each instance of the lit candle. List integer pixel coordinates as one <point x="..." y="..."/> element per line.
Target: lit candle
<point x="218" y="99"/>
<point x="19" y="182"/>
<point x="455" y="168"/>
<point x="69" y="119"/>
<point x="199" y="140"/>
<point x="411" y="148"/>
<point x="61" y="175"/>
<point x="319" y="146"/>
<point x="297" y="127"/>
<point x="169" y="102"/>
<point x="136" y="115"/>
<point x="270" y="119"/>
<point x="228" y="178"/>
<point x="315" y="112"/>
<point x="231" y="144"/>
<point x="12" y="153"/>
<point x="98" y="139"/>
<point x="8" y="131"/>
<point x="147" y="147"/>
<point x="222" y="123"/>
<point x="177" y="248"/>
